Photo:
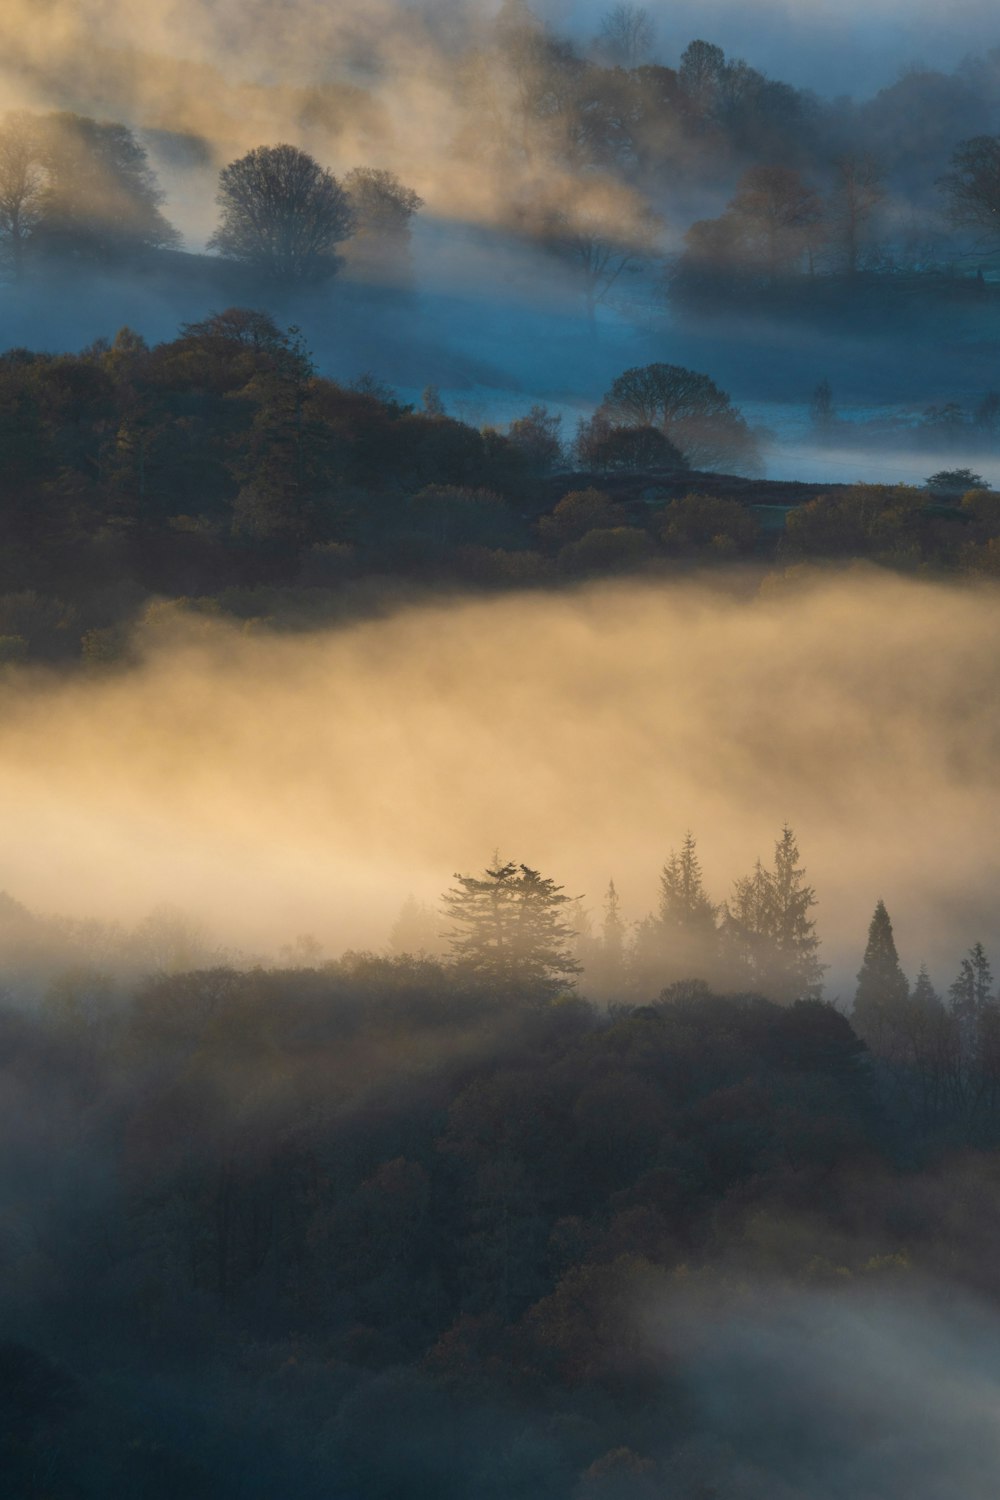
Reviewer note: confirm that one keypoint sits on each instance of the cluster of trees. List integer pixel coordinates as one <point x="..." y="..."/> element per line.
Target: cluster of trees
<point x="82" y="189"/>
<point x="380" y="1225"/>
<point x="220" y="467"/>
<point x="937" y="1062"/>
<point x="511" y="923"/>
<point x="589" y="152"/>
<point x="220" y="460"/>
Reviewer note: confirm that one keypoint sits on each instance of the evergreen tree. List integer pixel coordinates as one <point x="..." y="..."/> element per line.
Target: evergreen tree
<point x="882" y="987"/>
<point x="972" y="991"/>
<point x="767" y="930"/>
<point x="613" y="928"/>
<point x="509" y="929"/>
<point x="684" y="906"/>
<point x="799" y="971"/>
<point x="925" y="997"/>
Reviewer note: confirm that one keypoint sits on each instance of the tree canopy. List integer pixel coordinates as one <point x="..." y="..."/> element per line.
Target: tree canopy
<point x="510" y="929"/>
<point x="688" y="408"/>
<point x="282" y="214"/>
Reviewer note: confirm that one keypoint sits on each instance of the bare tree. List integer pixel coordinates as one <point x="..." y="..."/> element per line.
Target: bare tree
<point x="22" y="182"/>
<point x="283" y="214"/>
<point x="598" y="241"/>
<point x="778" y="213"/>
<point x="626" y="35"/>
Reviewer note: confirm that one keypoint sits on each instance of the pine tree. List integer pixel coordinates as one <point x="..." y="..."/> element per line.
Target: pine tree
<point x="882" y="987"/>
<point x="509" y="929"/>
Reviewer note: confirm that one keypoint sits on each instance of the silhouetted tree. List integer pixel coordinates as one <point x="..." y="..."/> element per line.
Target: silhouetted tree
<point x="689" y="408"/>
<point x="882" y="988"/>
<point x="536" y="435"/>
<point x="283" y="214"/>
<point x="509" y="929"/>
<point x="768" y="932"/>
<point x="626" y="35"/>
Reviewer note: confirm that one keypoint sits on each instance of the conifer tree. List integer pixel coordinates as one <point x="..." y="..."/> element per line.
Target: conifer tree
<point x="510" y="930"/>
<point x="882" y="987"/>
<point x="972" y="991"/>
<point x="613" y="928"/>
<point x="770" y="936"/>
<point x="925" y="997"/>
<point x="684" y="906"/>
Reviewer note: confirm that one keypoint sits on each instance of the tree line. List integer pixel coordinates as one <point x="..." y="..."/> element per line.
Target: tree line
<point x="220" y="468"/>
<point x="938" y="1060"/>
<point x="74" y="188"/>
<point x="590" y="150"/>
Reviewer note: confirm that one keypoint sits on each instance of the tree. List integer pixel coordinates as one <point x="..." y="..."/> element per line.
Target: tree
<point x="972" y="991"/>
<point x="777" y="213"/>
<point x="955" y="482"/>
<point x="683" y="936"/>
<point x="626" y="35"/>
<point x="684" y="906"/>
<point x="22" y="182"/>
<point x="973" y="185"/>
<point x="768" y="932"/>
<point x="601" y="445"/>
<point x="100" y="197"/>
<point x="382" y="207"/>
<point x="536" y="435"/>
<point x="822" y="411"/>
<point x="702" y="68"/>
<point x="689" y="409"/>
<point x="857" y="192"/>
<point x="882" y="988"/>
<point x="283" y="214"/>
<point x="509" y="929"/>
<point x="601" y="241"/>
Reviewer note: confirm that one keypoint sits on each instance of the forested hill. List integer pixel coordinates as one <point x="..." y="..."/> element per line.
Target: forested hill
<point x="398" y="1227"/>
<point x="219" y="467"/>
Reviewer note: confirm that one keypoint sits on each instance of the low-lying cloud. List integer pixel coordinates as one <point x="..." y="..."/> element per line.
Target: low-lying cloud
<point x="278" y="784"/>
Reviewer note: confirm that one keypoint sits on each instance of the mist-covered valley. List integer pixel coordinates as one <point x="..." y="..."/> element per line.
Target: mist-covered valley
<point x="498" y="750"/>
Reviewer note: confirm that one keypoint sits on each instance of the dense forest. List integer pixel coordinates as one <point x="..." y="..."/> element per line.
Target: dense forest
<point x="436" y="1226"/>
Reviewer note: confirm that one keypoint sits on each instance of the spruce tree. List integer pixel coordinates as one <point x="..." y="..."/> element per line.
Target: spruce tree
<point x="684" y="906"/>
<point x="768" y="932"/>
<point x="882" y="987"/>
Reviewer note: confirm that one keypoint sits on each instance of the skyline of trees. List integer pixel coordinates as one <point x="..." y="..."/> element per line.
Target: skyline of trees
<point x="814" y="187"/>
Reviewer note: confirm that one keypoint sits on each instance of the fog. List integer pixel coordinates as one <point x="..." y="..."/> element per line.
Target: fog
<point x="884" y="1387"/>
<point x="309" y="783"/>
